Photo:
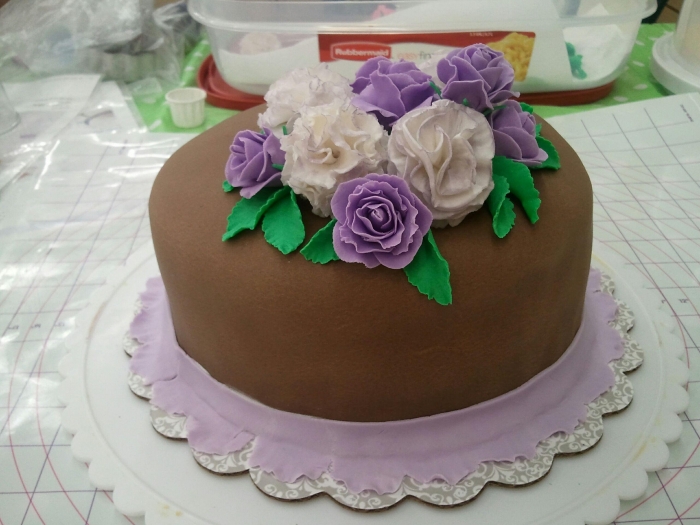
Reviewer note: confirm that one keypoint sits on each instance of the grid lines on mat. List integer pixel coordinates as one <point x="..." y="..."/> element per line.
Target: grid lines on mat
<point x="66" y="226"/>
<point x="644" y="163"/>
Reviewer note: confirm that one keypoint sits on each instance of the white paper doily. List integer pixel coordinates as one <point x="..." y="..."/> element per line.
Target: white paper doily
<point x="157" y="477"/>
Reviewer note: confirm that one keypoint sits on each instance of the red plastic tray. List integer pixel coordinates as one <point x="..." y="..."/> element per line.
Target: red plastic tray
<point x="219" y="93"/>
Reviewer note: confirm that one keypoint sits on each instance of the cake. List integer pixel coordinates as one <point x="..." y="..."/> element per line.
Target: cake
<point x="324" y="340"/>
<point x="383" y="302"/>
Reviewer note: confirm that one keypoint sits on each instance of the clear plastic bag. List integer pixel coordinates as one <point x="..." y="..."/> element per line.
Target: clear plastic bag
<point x="118" y="39"/>
<point x="174" y="20"/>
<point x="59" y="105"/>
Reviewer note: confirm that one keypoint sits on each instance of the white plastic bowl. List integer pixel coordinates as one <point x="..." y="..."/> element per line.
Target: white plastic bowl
<point x="256" y="41"/>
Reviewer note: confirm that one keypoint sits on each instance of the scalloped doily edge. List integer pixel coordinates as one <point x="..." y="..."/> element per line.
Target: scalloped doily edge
<point x="520" y="472"/>
<point x="133" y="499"/>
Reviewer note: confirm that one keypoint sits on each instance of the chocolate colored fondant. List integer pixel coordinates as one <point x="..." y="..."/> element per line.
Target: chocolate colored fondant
<point x="340" y="341"/>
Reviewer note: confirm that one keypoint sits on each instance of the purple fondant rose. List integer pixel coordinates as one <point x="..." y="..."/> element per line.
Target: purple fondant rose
<point x="250" y="166"/>
<point x="389" y="89"/>
<point x="514" y="132"/>
<point x="379" y="221"/>
<point x="478" y="74"/>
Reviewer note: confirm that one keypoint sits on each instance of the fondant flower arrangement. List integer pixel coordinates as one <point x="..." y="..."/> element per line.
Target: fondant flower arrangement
<point x="387" y="157"/>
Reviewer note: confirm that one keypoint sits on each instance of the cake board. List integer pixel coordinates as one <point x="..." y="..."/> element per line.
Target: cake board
<point x="156" y="477"/>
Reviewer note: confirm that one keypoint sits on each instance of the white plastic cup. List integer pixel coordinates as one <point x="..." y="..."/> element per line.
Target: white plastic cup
<point x="186" y="106"/>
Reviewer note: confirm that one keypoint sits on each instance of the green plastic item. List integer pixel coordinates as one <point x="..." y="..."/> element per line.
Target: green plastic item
<point x="430" y="273"/>
<point x="575" y="62"/>
<point x="320" y="249"/>
<point x="282" y="224"/>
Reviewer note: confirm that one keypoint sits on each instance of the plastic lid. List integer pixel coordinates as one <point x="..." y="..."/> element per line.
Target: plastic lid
<point x="348" y="16"/>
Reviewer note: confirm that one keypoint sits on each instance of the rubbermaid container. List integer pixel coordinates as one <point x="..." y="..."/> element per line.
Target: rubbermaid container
<point x="571" y="49"/>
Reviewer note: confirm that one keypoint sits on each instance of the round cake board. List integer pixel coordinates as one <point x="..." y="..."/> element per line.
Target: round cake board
<point x="157" y="478"/>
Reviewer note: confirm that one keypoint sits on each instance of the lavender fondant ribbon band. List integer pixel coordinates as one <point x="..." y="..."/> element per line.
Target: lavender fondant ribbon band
<point x="377" y="456"/>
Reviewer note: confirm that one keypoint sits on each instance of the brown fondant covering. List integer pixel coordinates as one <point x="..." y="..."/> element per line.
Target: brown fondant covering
<point x="341" y="341"/>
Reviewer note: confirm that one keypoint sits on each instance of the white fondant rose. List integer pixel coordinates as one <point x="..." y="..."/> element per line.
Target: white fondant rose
<point x="444" y="152"/>
<point x="298" y="89"/>
<point x="329" y="145"/>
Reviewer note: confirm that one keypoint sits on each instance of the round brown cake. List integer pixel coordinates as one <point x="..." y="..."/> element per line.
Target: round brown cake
<point x="340" y="341"/>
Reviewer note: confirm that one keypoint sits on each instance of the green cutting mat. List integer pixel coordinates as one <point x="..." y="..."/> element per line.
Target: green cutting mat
<point x="156" y="114"/>
<point x="636" y="83"/>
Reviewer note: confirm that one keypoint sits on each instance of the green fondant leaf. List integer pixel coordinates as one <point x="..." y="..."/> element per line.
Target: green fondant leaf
<point x="246" y="213"/>
<point x="278" y="167"/>
<point x="501" y="207"/>
<point x="320" y="249"/>
<point x="227" y="186"/>
<point x="282" y="224"/>
<point x="520" y="183"/>
<point x="527" y="107"/>
<point x="553" y="162"/>
<point x="430" y="273"/>
<point x="538" y="130"/>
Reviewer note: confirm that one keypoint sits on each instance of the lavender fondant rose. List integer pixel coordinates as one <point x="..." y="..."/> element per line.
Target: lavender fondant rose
<point x="391" y="89"/>
<point x="250" y="165"/>
<point x="477" y="74"/>
<point x="379" y="221"/>
<point x="444" y="152"/>
<point x="514" y="132"/>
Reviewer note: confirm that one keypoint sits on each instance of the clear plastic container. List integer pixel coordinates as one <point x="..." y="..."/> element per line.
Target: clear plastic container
<point x="687" y="39"/>
<point x="675" y="59"/>
<point x="555" y="45"/>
